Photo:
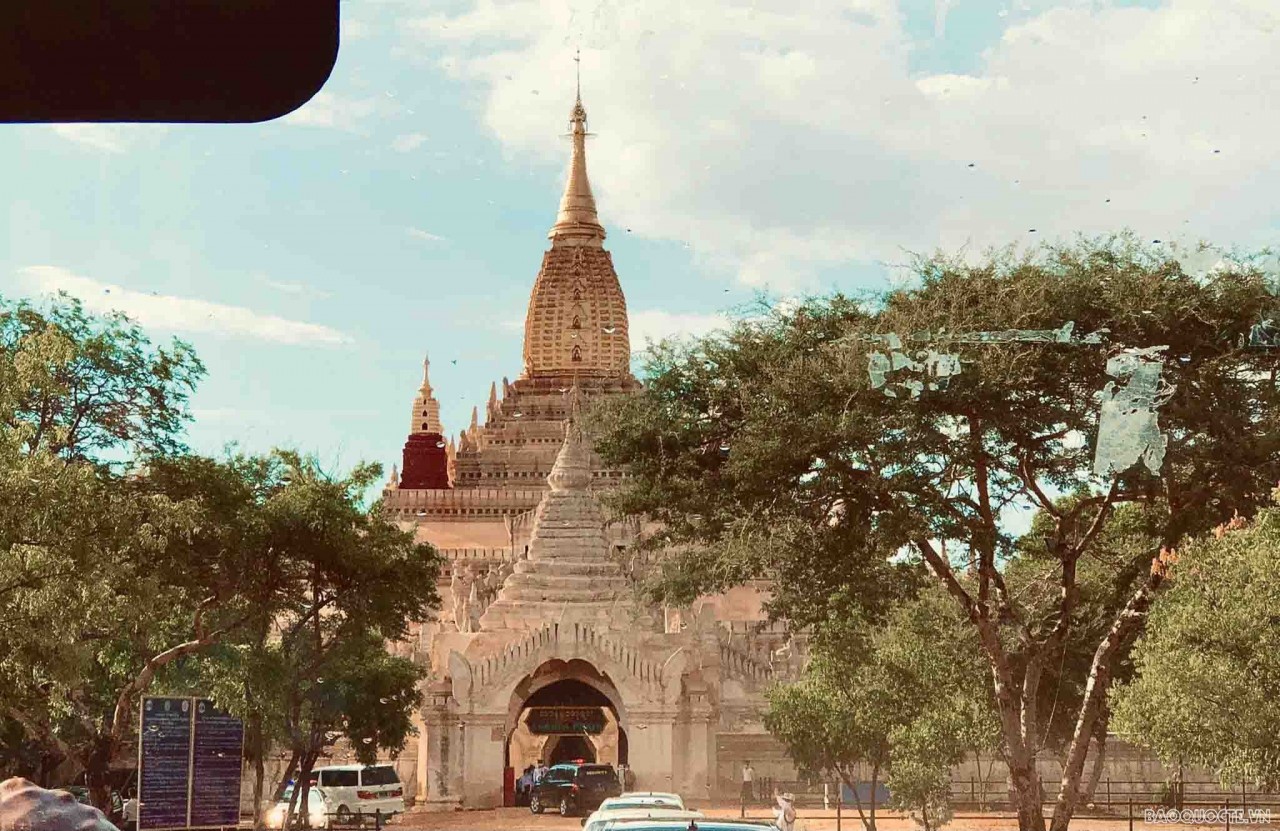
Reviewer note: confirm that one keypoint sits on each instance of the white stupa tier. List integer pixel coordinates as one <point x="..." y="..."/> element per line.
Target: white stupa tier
<point x="568" y="575"/>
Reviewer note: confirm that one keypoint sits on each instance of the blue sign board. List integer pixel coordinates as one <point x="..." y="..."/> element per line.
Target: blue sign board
<point x="864" y="793"/>
<point x="189" y="765"/>
<point x="164" y="766"/>
<point x="215" y="767"/>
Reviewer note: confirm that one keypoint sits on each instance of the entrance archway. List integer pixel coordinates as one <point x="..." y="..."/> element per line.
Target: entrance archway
<point x="565" y="710"/>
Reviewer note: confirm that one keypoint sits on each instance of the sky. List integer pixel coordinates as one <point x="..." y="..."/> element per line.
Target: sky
<point x="786" y="146"/>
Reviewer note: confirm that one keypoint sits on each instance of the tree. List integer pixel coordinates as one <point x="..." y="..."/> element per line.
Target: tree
<point x="838" y="715"/>
<point x="86" y="387"/>
<point x="358" y="582"/>
<point x="79" y="397"/>
<point x="907" y="699"/>
<point x="127" y="563"/>
<point x="943" y="689"/>
<point x="1209" y="661"/>
<point x="776" y="449"/>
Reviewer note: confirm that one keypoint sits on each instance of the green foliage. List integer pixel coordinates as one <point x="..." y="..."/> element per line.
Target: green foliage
<point x="907" y="699"/>
<point x="766" y="452"/>
<point x="128" y="566"/>
<point x="1209" y="663"/>
<point x="90" y="387"/>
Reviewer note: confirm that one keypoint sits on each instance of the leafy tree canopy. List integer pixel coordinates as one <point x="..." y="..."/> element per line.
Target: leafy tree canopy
<point x="1209" y="662"/>
<point x="773" y="451"/>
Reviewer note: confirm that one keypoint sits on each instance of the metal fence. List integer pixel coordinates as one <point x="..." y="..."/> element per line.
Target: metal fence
<point x="334" y="820"/>
<point x="1111" y="797"/>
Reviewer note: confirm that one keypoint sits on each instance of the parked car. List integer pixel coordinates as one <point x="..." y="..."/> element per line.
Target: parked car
<point x="682" y="824"/>
<point x="356" y="789"/>
<point x="619" y="808"/>
<point x="574" y="788"/>
<point x="318" y="811"/>
<point x="647" y="797"/>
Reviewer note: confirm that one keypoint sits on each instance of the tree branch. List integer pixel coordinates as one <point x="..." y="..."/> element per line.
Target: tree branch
<point x="202" y="640"/>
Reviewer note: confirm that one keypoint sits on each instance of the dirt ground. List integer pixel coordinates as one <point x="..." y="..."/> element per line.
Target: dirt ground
<point x="519" y="819"/>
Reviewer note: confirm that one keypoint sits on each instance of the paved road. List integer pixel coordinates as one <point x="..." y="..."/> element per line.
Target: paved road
<point x="519" y="819"/>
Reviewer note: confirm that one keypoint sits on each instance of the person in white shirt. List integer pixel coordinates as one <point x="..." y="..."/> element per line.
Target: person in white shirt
<point x="785" y="817"/>
<point x="131" y="813"/>
<point x="748" y="780"/>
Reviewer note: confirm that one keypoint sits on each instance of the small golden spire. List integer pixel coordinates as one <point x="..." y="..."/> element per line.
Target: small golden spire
<point x="577" y="222"/>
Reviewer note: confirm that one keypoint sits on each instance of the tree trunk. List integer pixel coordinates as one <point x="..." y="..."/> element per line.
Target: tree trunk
<point x="285" y="777"/>
<point x="97" y="776"/>
<point x="1126" y="624"/>
<point x="255" y="751"/>
<point x="304" y="785"/>
<point x="1027" y="792"/>
<point x="259" y="783"/>
<point x="857" y="800"/>
<point x="1099" y="759"/>
<point x="875" y="778"/>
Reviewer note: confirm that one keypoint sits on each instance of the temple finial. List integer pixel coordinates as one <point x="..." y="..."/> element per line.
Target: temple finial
<point x="577" y="222"/>
<point x="426" y="372"/>
<point x="577" y="59"/>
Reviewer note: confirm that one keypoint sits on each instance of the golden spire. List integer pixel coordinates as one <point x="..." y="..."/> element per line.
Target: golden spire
<point x="577" y="222"/>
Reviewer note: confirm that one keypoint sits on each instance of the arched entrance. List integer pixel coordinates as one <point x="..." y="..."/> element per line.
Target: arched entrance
<point x="561" y="749"/>
<point x="564" y="711"/>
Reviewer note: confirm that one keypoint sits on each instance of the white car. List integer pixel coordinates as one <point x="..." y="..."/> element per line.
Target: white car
<point x="317" y="810"/>
<point x="356" y="789"/>
<point x="623" y="810"/>
<point x="646" y="796"/>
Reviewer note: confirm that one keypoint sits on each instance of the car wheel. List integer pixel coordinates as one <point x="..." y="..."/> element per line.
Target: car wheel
<point x="564" y="807"/>
<point x="535" y="804"/>
<point x="344" y="815"/>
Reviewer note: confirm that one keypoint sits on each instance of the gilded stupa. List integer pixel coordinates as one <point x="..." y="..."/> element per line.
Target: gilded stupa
<point x="478" y="492"/>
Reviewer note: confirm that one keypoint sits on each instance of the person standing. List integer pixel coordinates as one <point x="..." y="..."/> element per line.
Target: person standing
<point x="748" y="781"/>
<point x="131" y="812"/>
<point x="785" y="814"/>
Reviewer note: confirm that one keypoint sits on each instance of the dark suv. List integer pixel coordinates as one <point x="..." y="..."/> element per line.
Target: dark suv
<point x="574" y="788"/>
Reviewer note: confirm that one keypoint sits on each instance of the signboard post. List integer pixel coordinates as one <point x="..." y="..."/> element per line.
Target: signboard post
<point x="189" y="765"/>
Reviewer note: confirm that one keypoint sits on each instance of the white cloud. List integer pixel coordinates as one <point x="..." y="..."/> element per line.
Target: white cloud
<point x="418" y="233"/>
<point x="178" y="314"/>
<point x="336" y="112"/>
<point x="792" y="153"/>
<point x="107" y="138"/>
<point x="655" y="324"/>
<point x="300" y="289"/>
<point x="354" y="29"/>
<point x="408" y="143"/>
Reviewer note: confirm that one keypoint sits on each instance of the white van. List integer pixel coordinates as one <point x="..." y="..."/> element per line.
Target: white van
<point x="356" y="789"/>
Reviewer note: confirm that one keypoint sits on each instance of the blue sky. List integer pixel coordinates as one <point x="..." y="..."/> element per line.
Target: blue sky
<point x="741" y="147"/>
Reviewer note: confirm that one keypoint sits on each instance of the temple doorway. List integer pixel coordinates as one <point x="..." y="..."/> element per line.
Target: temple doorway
<point x="562" y="712"/>
<point x="569" y="749"/>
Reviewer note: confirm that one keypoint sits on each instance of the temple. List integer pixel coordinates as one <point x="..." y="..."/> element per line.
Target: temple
<point x="544" y="651"/>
